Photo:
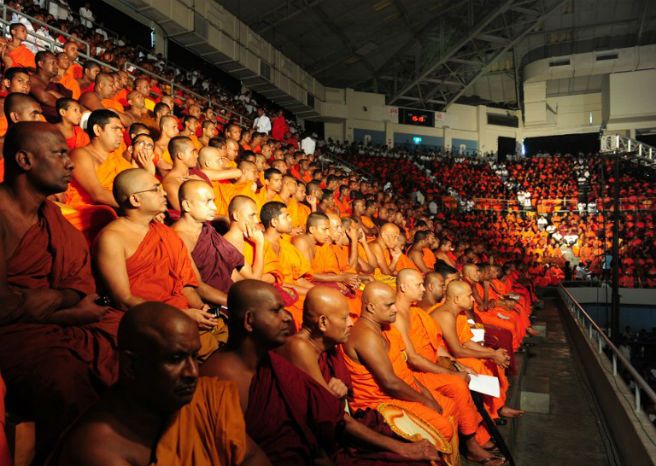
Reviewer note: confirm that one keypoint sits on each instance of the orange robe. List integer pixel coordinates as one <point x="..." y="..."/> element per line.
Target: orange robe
<point x="111" y="104"/>
<point x="208" y="430"/>
<point x="288" y="266"/>
<point x="325" y="260"/>
<point x="491" y="317"/>
<point x="79" y="139"/>
<point x="21" y="56"/>
<point x="161" y="267"/>
<point x="70" y="83"/>
<point x="404" y="262"/>
<point x="3" y="125"/>
<point x="426" y="337"/>
<point x="224" y="192"/>
<point x="303" y="214"/>
<point x="88" y="219"/>
<point x="368" y="394"/>
<point x="429" y="258"/>
<point x="484" y="367"/>
<point x="106" y="172"/>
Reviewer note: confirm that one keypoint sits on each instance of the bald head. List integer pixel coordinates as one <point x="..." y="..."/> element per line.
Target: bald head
<point x="208" y="156"/>
<point x="128" y="182"/>
<point x="410" y="283"/>
<point x="256" y="309"/>
<point x="190" y="190"/>
<point x="471" y="272"/>
<point x="152" y="323"/>
<point x="158" y="349"/>
<point x="390" y="228"/>
<point x="378" y="301"/>
<point x="239" y="203"/>
<point x="326" y="311"/>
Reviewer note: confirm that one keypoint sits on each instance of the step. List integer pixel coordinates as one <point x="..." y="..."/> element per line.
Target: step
<point x="535" y="395"/>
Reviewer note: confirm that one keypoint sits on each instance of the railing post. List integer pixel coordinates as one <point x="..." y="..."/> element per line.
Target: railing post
<point x="637" y="398"/>
<point x="614" y="365"/>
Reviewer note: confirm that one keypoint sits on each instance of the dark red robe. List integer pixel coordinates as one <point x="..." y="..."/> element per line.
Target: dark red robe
<point x="289" y="415"/>
<point x="216" y="258"/>
<point x="53" y="372"/>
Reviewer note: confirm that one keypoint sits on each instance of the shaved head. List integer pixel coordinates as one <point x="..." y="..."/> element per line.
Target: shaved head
<point x="208" y="155"/>
<point x="129" y="181"/>
<point x="256" y="309"/>
<point x="411" y="283"/>
<point x="470" y="271"/>
<point x="21" y="107"/>
<point x="326" y="311"/>
<point x="378" y="301"/>
<point x="238" y="203"/>
<point x="460" y="293"/>
<point x="191" y="189"/>
<point x="158" y="349"/>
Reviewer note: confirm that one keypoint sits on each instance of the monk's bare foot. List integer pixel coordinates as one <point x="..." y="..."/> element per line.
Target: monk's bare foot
<point x="510" y="412"/>
<point x="531" y="331"/>
<point x="477" y="453"/>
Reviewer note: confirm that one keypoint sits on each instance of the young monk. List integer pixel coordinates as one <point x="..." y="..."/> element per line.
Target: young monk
<point x="216" y="260"/>
<point x="246" y="236"/>
<point x="245" y="185"/>
<point x="422" y="340"/>
<point x="98" y="163"/>
<point x="185" y="158"/>
<point x="160" y="412"/>
<point x="416" y="253"/>
<point x="139" y="259"/>
<point x="101" y="97"/>
<point x="17" y="54"/>
<point x="70" y="114"/>
<point x="14" y="80"/>
<point x="379" y="373"/>
<point x="168" y="129"/>
<point x="315" y="245"/>
<point x="481" y="359"/>
<point x="326" y="324"/>
<point x="56" y="345"/>
<point x="271" y="189"/>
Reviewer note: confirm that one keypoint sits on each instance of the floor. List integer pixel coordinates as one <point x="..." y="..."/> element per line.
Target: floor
<point x="571" y="434"/>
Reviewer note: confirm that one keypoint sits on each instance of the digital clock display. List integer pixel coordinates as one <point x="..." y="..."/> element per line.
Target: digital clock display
<point x="409" y="116"/>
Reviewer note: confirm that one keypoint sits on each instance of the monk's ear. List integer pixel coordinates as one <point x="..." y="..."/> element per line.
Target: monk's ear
<point x="184" y="205"/>
<point x="97" y="129"/>
<point x="134" y="200"/>
<point x="249" y="318"/>
<point x="127" y="363"/>
<point x="25" y="160"/>
<point x="323" y="323"/>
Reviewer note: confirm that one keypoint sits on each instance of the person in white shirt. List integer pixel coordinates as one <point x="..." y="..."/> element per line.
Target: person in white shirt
<point x="262" y="124"/>
<point x="86" y="16"/>
<point x="308" y="145"/>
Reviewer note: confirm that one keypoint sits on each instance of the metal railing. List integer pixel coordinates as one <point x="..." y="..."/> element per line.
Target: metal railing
<point x="54" y="46"/>
<point x="599" y="338"/>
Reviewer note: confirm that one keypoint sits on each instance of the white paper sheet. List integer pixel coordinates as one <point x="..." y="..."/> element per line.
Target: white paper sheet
<point x="479" y="335"/>
<point x="485" y="384"/>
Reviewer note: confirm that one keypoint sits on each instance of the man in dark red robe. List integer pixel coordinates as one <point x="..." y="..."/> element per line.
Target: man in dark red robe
<point x="292" y="418"/>
<point x="57" y="346"/>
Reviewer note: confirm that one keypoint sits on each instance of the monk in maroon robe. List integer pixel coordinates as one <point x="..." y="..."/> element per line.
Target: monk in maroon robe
<point x="216" y="259"/>
<point x="56" y="345"/>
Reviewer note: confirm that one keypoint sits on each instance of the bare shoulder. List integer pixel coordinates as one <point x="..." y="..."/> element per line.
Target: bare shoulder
<point x="296" y="346"/>
<point x="300" y="240"/>
<point x="223" y="364"/>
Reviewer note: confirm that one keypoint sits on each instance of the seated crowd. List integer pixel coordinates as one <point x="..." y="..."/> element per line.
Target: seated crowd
<point x="179" y="294"/>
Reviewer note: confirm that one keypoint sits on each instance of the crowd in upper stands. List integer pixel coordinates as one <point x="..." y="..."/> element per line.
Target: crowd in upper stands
<point x="147" y="238"/>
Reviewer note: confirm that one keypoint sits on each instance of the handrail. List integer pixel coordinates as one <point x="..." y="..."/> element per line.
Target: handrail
<point x="584" y="319"/>
<point x="43" y="23"/>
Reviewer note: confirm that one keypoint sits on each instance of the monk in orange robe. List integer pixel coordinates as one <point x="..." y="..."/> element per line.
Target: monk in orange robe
<point x="101" y="97"/>
<point x="243" y="186"/>
<point x="418" y="251"/>
<point x="196" y="420"/>
<point x="283" y="263"/>
<point x="422" y="341"/>
<point x="374" y="356"/>
<point x="491" y="315"/>
<point x="302" y="210"/>
<point x="57" y="346"/>
<point x="481" y="359"/>
<point x="140" y="259"/>
<point x="387" y="250"/>
<point x="97" y="164"/>
<point x="17" y="54"/>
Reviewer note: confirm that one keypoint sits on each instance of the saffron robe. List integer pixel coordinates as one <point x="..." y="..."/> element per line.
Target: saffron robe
<point x="216" y="258"/>
<point x="210" y="430"/>
<point x="53" y="372"/>
<point x="160" y="267"/>
<point x="289" y="415"/>
<point x="368" y="394"/>
<point x="21" y="56"/>
<point x="79" y="139"/>
<point x="105" y="172"/>
<point x="426" y="338"/>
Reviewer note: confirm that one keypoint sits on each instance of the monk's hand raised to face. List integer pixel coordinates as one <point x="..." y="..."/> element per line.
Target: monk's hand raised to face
<point x="418" y="451"/>
<point x="206" y="321"/>
<point x="255" y="234"/>
<point x="396" y="252"/>
<point x="312" y="200"/>
<point x="338" y="388"/>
